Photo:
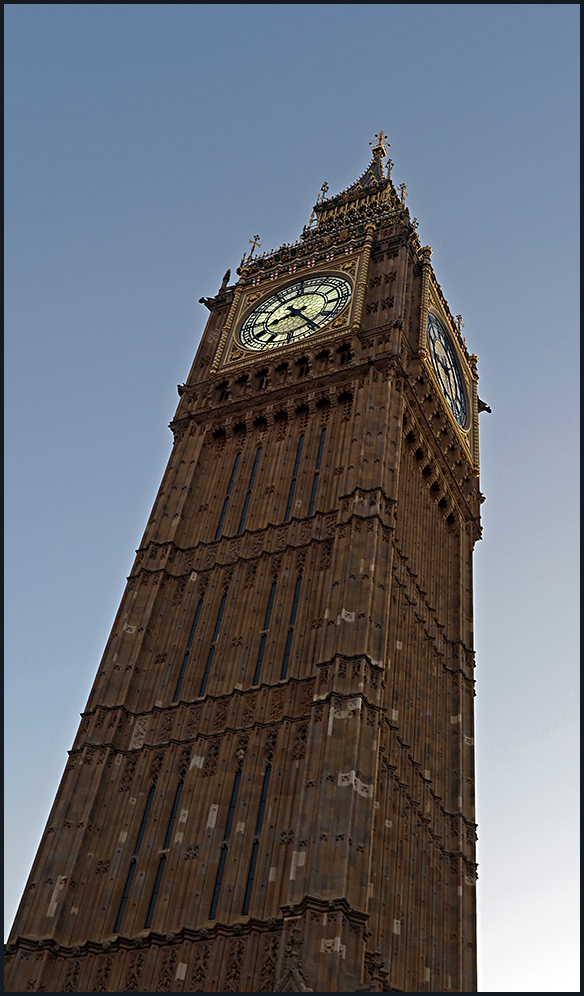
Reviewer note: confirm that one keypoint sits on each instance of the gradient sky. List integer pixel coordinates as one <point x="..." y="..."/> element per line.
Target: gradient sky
<point x="146" y="143"/>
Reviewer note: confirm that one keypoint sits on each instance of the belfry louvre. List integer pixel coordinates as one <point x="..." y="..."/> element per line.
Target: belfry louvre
<point x="272" y="784"/>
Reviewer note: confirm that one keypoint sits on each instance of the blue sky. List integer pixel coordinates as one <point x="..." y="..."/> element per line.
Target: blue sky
<point x="145" y="144"/>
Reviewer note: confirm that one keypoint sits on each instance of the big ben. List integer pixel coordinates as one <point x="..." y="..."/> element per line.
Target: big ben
<point x="272" y="784"/>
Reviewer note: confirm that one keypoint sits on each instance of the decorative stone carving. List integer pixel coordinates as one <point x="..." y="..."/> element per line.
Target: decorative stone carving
<point x="156" y="765"/>
<point x="193" y="721"/>
<point x="139" y="733"/>
<point x="271" y="741"/>
<point x="233" y="967"/>
<point x="293" y="979"/>
<point x="201" y="955"/>
<point x="378" y="975"/>
<point x="128" y="776"/>
<point x="299" y="748"/>
<point x="277" y="706"/>
<point x="249" y="711"/>
<point x="184" y="761"/>
<point x="210" y="764"/>
<point x="220" y="716"/>
<point x="104" y="968"/>
<point x="167" y="969"/>
<point x="134" y="975"/>
<point x="72" y="976"/>
<point x="269" y="962"/>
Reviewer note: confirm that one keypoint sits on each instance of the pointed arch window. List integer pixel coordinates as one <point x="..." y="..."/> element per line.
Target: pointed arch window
<point x="256" y="843"/>
<point x="264" y="638"/>
<point x="227" y="496"/>
<point x="294" y="479"/>
<point x="211" y="653"/>
<point x="225" y="846"/>
<point x="291" y="625"/>
<point x="249" y="491"/>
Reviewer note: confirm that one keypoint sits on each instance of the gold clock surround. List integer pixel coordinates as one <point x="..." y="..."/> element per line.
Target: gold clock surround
<point x="351" y="267"/>
<point x="469" y="434"/>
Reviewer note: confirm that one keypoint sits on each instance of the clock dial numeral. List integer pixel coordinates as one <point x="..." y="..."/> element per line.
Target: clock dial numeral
<point x="447" y="370"/>
<point x="295" y="312"/>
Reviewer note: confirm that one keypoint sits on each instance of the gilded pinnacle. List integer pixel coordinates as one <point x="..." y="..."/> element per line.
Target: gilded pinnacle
<point x="379" y="150"/>
<point x="255" y="242"/>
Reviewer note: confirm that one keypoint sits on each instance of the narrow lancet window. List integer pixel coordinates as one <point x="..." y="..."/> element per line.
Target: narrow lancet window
<point x="223" y="856"/>
<point x="142" y="829"/>
<point x="263" y="641"/>
<point x="155" y="891"/>
<point x="132" y="868"/>
<point x="213" y="645"/>
<point x="227" y="496"/>
<point x="167" y="843"/>
<point x="125" y="896"/>
<point x="172" y="821"/>
<point x="317" y="472"/>
<point x="249" y="490"/>
<point x="290" y="634"/>
<point x="294" y="479"/>
<point x="256" y="843"/>
<point x="187" y="653"/>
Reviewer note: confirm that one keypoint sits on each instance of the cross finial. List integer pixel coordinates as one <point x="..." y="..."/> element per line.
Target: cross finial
<point x="403" y="190"/>
<point x="255" y="242"/>
<point x="322" y="194"/>
<point x="380" y="147"/>
<point x="459" y="323"/>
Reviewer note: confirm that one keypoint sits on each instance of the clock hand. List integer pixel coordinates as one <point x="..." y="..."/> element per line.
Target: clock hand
<point x="285" y="318"/>
<point x="298" y="313"/>
<point x="451" y="379"/>
<point x="295" y="313"/>
<point x="448" y="373"/>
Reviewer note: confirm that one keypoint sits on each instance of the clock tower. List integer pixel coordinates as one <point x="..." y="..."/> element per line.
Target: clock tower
<point x="272" y="785"/>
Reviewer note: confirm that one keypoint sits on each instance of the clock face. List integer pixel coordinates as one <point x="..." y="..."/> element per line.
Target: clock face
<point x="447" y="369"/>
<point x="295" y="312"/>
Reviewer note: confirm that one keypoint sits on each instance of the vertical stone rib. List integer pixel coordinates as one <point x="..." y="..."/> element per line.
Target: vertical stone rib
<point x="425" y="302"/>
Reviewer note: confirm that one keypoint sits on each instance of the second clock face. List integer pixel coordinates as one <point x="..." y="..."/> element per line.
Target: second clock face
<point x="447" y="369"/>
<point x="295" y="312"/>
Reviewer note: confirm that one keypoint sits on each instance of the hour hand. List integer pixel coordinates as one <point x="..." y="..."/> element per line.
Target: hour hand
<point x="285" y="318"/>
<point x="298" y="312"/>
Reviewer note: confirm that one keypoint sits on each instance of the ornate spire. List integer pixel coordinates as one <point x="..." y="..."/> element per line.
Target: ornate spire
<point x="379" y="151"/>
<point x="371" y="200"/>
<point x="374" y="172"/>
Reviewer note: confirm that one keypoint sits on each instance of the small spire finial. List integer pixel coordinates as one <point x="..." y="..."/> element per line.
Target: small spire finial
<point x="255" y="242"/>
<point x="379" y="149"/>
<point x="322" y="194"/>
<point x="403" y="190"/>
<point x="459" y="323"/>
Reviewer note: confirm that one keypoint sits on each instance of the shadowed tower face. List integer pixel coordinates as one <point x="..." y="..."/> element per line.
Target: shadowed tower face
<point x="272" y="785"/>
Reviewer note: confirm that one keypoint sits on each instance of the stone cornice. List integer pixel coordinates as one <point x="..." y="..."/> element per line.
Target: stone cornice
<point x="291" y="544"/>
<point x="282" y="395"/>
<point x="144" y="939"/>
<point x="338" y="905"/>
